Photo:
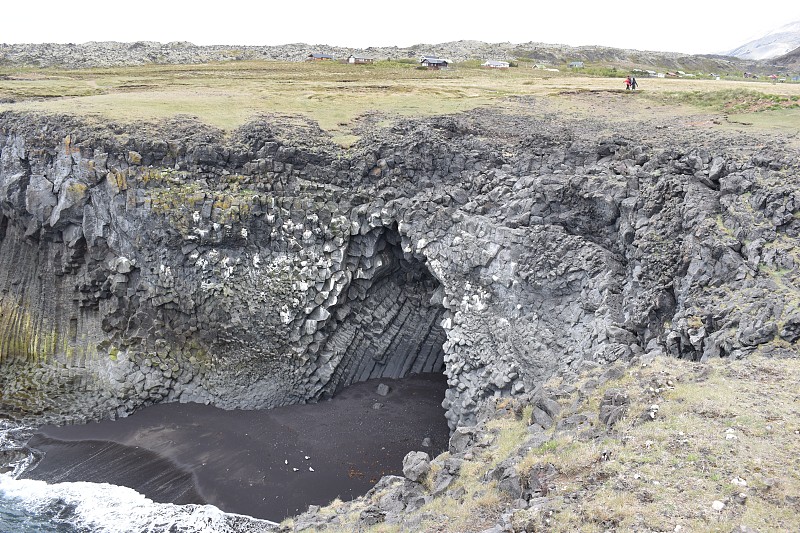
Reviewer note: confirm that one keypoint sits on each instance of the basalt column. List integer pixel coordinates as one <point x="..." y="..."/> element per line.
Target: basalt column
<point x="389" y="324"/>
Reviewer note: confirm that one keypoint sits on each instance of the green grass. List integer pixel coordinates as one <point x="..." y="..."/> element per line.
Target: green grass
<point x="336" y="95"/>
<point x="227" y="94"/>
<point x="737" y="100"/>
<point x="736" y="421"/>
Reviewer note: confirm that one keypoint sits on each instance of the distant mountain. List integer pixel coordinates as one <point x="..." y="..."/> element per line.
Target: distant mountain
<point x="774" y="44"/>
<point x="790" y="61"/>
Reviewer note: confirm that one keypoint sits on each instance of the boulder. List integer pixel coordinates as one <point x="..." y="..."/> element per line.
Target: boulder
<point x="416" y="465"/>
<point x="613" y="406"/>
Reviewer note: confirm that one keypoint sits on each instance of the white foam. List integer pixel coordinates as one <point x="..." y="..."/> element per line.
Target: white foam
<point x="13" y="437"/>
<point x="105" y="508"/>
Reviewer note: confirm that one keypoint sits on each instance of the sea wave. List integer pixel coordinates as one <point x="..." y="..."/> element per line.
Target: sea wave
<point x="13" y="444"/>
<point x="101" y="507"/>
<point x="28" y="505"/>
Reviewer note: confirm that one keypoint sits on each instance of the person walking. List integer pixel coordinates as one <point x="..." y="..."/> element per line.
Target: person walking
<point x="628" y="83"/>
<point x="634" y="85"/>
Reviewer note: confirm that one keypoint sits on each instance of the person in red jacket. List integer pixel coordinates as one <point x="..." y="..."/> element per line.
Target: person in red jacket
<point x="628" y="83"/>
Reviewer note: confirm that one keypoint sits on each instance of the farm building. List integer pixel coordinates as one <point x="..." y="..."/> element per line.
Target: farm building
<point x="355" y="60"/>
<point x="496" y="64"/>
<point x="433" y="63"/>
<point x="319" y="57"/>
<point x="576" y="64"/>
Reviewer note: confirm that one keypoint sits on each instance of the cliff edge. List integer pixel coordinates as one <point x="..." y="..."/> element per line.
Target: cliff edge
<point x="170" y="262"/>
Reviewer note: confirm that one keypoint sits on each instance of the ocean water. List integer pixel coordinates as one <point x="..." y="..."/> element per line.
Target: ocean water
<point x="31" y="506"/>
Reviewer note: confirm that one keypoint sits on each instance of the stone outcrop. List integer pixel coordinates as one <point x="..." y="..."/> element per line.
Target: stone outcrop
<point x="170" y="262"/>
<point x="114" y="54"/>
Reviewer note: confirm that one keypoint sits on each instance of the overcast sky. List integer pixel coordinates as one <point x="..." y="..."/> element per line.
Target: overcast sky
<point x="689" y="26"/>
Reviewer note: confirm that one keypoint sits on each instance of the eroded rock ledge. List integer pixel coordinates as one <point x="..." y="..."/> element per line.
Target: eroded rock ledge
<point x="172" y="263"/>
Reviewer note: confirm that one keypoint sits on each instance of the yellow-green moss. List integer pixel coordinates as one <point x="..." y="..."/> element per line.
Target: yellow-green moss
<point x="24" y="337"/>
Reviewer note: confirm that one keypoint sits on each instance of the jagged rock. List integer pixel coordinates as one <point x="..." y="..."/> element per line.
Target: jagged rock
<point x="447" y="472"/>
<point x="371" y="516"/>
<point x="537" y="482"/>
<point x="538" y="416"/>
<point x="416" y="465"/>
<point x="441" y="483"/>
<point x="500" y="259"/>
<point x="461" y="439"/>
<point x="510" y="485"/>
<point x="550" y="406"/>
<point x="577" y="420"/>
<point x="790" y="331"/>
<point x="613" y="406"/>
<point x="396" y="494"/>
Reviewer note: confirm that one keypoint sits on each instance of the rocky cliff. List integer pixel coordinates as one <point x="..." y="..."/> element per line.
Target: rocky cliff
<point x="171" y="262"/>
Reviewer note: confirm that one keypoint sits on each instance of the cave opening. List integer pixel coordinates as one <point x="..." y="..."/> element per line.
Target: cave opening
<point x="389" y="327"/>
<point x="385" y="328"/>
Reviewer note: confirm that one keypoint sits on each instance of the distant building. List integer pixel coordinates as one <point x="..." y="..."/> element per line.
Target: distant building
<point x="644" y="72"/>
<point x="355" y="60"/>
<point x="320" y="57"/>
<point x="576" y="64"/>
<point x="496" y="64"/>
<point x="433" y="63"/>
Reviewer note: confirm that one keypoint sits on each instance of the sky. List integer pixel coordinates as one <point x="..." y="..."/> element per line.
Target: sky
<point x="687" y="26"/>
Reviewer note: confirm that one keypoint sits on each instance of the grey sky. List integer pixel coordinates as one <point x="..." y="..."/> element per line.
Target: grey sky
<point x="689" y="26"/>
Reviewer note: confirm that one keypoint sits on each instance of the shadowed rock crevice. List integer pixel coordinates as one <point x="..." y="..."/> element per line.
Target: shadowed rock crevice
<point x="389" y="325"/>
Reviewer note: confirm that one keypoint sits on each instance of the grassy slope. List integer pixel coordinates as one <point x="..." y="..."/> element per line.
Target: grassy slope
<point x="727" y="431"/>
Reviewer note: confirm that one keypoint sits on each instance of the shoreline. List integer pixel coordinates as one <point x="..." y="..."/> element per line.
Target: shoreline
<point x="268" y="464"/>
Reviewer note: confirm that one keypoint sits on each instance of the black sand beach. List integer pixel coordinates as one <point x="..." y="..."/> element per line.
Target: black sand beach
<point x="268" y="464"/>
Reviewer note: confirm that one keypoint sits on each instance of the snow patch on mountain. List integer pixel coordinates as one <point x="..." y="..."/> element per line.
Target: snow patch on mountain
<point x="774" y="44"/>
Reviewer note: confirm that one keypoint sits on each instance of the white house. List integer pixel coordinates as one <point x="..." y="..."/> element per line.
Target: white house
<point x="496" y="64"/>
<point x="355" y="60"/>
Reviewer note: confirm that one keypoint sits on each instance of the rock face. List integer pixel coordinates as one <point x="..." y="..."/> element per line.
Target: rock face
<point x="171" y="263"/>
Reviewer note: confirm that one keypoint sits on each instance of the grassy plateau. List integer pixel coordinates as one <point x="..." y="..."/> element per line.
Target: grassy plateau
<point x="335" y="95"/>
